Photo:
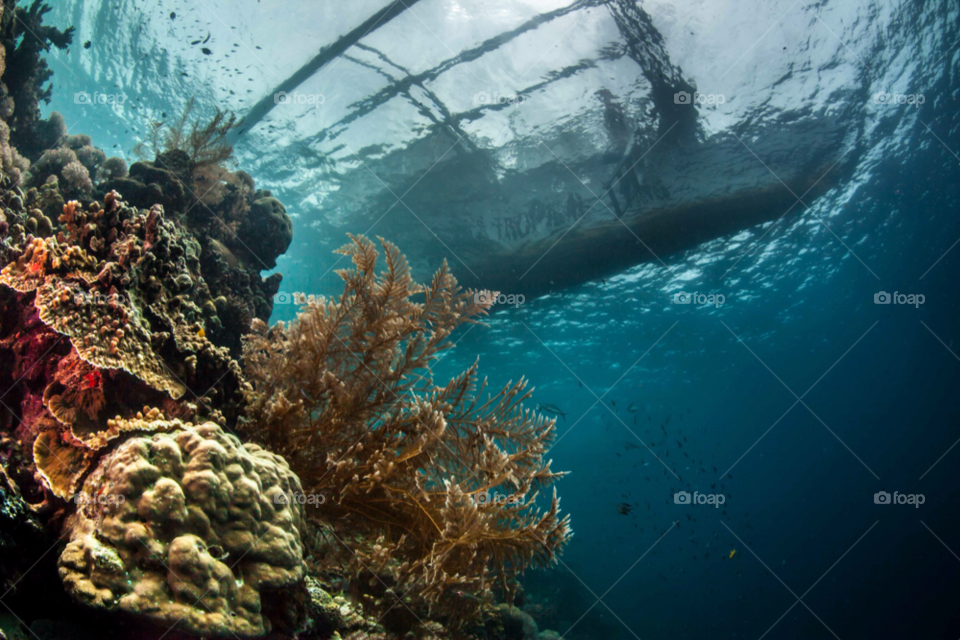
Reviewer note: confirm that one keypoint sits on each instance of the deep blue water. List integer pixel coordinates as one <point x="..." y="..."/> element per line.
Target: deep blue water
<point x="798" y="399"/>
<point x="880" y="412"/>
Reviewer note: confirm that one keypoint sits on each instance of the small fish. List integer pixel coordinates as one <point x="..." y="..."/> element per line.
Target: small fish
<point x="552" y="409"/>
<point x="733" y="552"/>
<point x="207" y="40"/>
<point x="631" y="408"/>
<point x="173" y="15"/>
<point x="87" y="44"/>
<point x="202" y="333"/>
<point x="463" y="594"/>
<point x="630" y="445"/>
<point x="624" y="509"/>
<point x="206" y="51"/>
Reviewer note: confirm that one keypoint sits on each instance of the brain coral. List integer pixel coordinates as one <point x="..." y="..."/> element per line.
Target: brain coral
<point x="186" y="528"/>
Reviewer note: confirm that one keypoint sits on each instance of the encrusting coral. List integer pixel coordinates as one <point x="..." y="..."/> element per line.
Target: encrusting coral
<point x="122" y="285"/>
<point x="345" y="394"/>
<point x="188" y="528"/>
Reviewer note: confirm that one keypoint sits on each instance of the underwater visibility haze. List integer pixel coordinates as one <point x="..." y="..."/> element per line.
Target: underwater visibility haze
<point x="479" y="319"/>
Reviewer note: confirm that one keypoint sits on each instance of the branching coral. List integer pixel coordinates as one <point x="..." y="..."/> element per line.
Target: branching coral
<point x="206" y="144"/>
<point x="346" y="394"/>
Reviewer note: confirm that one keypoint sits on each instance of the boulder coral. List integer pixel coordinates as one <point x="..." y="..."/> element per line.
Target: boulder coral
<point x="267" y="231"/>
<point x="189" y="529"/>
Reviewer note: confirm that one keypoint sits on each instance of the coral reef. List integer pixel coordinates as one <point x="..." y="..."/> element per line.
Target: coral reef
<point x="241" y="230"/>
<point x="267" y="231"/>
<point x="12" y="164"/>
<point x="205" y="144"/>
<point x="345" y="394"/>
<point x="124" y="296"/>
<point x="123" y="286"/>
<point x="25" y="73"/>
<point x="510" y="622"/>
<point x="188" y="528"/>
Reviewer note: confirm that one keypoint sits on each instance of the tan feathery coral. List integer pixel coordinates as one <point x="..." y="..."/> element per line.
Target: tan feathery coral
<point x="346" y="394"/>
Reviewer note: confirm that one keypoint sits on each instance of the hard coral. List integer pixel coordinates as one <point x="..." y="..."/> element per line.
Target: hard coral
<point x="12" y="164"/>
<point x="124" y="285"/>
<point x="214" y="207"/>
<point x="70" y="160"/>
<point x="188" y="529"/>
<point x="266" y="232"/>
<point x="98" y="321"/>
<point x="112" y="168"/>
<point x="25" y="40"/>
<point x="103" y="327"/>
<point x="346" y="394"/>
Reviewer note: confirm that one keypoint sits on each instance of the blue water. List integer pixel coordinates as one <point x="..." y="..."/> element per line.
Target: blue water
<point x="879" y="410"/>
<point x="798" y="399"/>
